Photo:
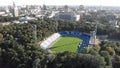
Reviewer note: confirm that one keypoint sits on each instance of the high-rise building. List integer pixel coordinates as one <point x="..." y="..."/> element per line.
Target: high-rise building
<point x="81" y="7"/>
<point x="15" y="10"/>
<point x="66" y="8"/>
<point x="44" y="7"/>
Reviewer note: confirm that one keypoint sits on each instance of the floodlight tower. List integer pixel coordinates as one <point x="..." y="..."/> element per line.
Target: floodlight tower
<point x="95" y="32"/>
<point x="96" y="27"/>
<point x="56" y="21"/>
<point x="35" y="33"/>
<point x="93" y="36"/>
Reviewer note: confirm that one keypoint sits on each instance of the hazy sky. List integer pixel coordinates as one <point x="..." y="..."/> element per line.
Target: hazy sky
<point x="62" y="2"/>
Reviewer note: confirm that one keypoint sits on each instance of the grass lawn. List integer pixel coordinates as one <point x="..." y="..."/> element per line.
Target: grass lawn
<point x="66" y="44"/>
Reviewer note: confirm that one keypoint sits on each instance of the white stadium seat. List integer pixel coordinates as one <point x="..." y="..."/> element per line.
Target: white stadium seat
<point x="45" y="44"/>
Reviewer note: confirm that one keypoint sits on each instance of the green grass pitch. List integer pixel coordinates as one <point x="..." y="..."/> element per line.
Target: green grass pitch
<point x="66" y="44"/>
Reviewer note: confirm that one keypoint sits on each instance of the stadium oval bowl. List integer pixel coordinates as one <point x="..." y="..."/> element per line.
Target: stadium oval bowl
<point x="84" y="36"/>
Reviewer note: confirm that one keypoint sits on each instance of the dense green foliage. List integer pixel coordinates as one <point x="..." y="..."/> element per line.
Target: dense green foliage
<point x="18" y="48"/>
<point x="71" y="60"/>
<point x="17" y="45"/>
<point x="66" y="44"/>
<point x="7" y="18"/>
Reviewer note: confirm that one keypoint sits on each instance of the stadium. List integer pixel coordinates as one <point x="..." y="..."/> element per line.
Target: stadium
<point x="68" y="41"/>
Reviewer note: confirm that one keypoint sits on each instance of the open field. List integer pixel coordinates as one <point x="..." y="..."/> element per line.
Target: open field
<point x="66" y="44"/>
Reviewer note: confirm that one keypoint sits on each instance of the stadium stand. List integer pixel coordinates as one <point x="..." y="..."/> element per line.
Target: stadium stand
<point x="85" y="37"/>
<point x="49" y="41"/>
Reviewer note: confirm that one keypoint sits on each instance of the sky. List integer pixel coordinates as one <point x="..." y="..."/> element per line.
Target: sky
<point x="62" y="2"/>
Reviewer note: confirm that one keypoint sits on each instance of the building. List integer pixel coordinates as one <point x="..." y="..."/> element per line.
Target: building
<point x="15" y="11"/>
<point x="65" y="8"/>
<point x="44" y="7"/>
<point x="68" y="16"/>
<point x="4" y="23"/>
<point x="81" y="7"/>
<point x="2" y="13"/>
<point x="93" y="37"/>
<point x="114" y="23"/>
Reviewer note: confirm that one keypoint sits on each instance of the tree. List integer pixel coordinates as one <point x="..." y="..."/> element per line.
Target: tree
<point x="87" y="60"/>
<point x="97" y="48"/>
<point x="1" y="36"/>
<point x="107" y="57"/>
<point x="36" y="63"/>
<point x="85" y="50"/>
<point x="1" y="61"/>
<point x="116" y="61"/>
<point x="111" y="51"/>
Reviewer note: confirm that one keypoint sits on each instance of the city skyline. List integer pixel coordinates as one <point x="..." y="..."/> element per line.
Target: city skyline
<point x="61" y="2"/>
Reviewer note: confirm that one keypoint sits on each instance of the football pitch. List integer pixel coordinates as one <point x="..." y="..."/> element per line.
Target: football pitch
<point x="66" y="44"/>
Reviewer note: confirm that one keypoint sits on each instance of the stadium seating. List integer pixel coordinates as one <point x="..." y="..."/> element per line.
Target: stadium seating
<point x="85" y="37"/>
<point x="45" y="44"/>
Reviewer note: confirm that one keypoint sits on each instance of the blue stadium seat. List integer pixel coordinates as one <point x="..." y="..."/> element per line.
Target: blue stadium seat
<point x="85" y="37"/>
<point x="63" y="33"/>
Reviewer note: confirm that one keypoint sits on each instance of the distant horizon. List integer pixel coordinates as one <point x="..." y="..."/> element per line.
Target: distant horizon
<point x="60" y="5"/>
<point x="112" y="3"/>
